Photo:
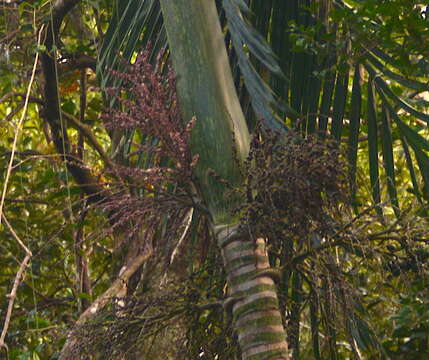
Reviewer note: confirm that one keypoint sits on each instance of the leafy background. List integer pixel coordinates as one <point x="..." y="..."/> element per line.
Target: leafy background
<point x="353" y="70"/>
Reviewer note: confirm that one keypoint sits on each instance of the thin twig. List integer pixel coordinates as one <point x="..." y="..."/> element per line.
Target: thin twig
<point x="15" y="111"/>
<point x="18" y="278"/>
<point x="27" y="200"/>
<point x="18" y="128"/>
<point x="22" y="95"/>
<point x="22" y="153"/>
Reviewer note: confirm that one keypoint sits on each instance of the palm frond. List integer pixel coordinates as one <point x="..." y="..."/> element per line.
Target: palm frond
<point x="355" y="118"/>
<point x="339" y="106"/>
<point x="133" y="24"/>
<point x="373" y="146"/>
<point x="388" y="159"/>
<point x="247" y="40"/>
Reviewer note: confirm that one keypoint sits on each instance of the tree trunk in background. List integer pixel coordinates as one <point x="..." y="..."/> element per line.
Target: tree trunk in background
<point x="206" y="91"/>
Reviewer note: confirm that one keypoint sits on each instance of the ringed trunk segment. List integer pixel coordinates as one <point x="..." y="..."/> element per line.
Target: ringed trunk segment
<point x="253" y="297"/>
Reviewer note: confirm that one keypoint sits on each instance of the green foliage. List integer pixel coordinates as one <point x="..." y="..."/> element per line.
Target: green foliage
<point x="409" y="333"/>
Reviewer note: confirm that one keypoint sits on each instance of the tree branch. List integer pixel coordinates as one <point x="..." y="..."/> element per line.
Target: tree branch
<point x="22" y="95"/>
<point x="52" y="112"/>
<point x="117" y="286"/>
<point x="26" y="200"/>
<point x="77" y="62"/>
<point x="83" y="128"/>
<point x="18" y="278"/>
<point x="86" y="131"/>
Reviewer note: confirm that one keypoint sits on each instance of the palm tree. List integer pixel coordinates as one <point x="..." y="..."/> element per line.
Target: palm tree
<point x="206" y="89"/>
<point x="310" y="100"/>
<point x="302" y="83"/>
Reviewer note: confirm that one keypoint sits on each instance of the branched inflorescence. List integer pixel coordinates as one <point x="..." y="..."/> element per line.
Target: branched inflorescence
<point x="149" y="108"/>
<point x="152" y="109"/>
<point x="292" y="185"/>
